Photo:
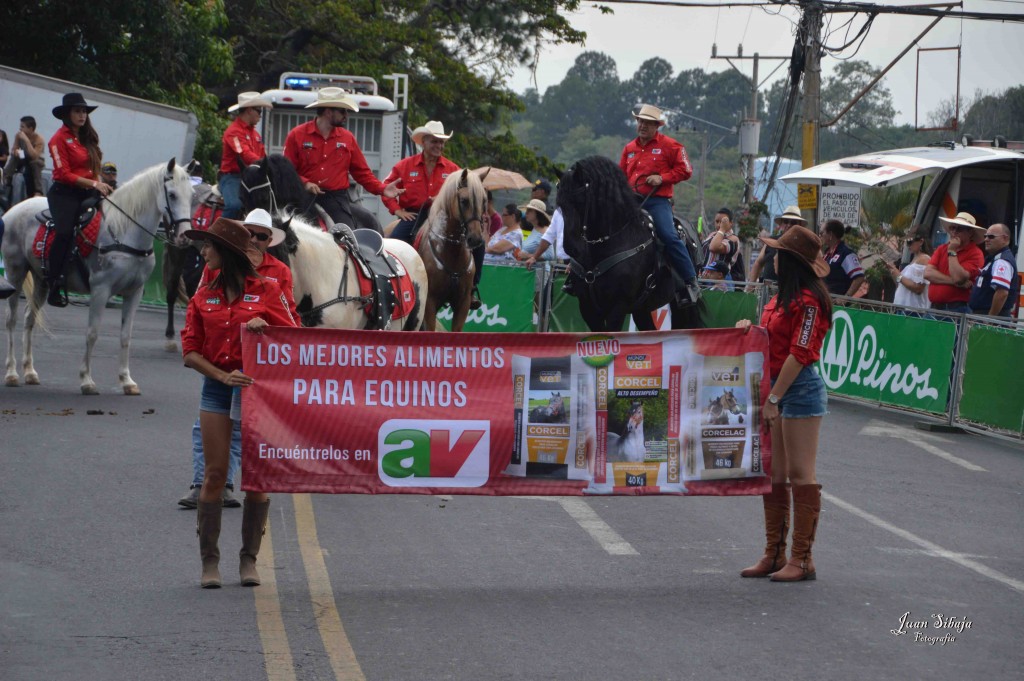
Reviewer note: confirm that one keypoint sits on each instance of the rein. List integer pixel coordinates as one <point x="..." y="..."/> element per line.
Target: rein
<point x="169" y="224"/>
<point x="462" y="239"/>
<point x="268" y="185"/>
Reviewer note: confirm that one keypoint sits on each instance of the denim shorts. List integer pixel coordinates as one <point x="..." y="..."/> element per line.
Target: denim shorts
<point x="220" y="398"/>
<point x="806" y="397"/>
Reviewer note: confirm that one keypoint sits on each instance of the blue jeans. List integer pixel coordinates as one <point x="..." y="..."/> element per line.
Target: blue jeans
<point x="403" y="230"/>
<point x="234" y="460"/>
<point x="661" y="213"/>
<point x="230" y="186"/>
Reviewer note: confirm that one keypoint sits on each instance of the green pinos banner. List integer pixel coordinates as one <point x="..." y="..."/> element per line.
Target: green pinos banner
<point x="889" y="358"/>
<point x="507" y="295"/>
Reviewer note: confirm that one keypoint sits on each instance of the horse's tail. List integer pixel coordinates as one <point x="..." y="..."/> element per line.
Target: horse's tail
<point x="28" y="287"/>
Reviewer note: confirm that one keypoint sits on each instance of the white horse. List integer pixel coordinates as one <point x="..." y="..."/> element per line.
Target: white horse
<point x="119" y="264"/>
<point x="326" y="285"/>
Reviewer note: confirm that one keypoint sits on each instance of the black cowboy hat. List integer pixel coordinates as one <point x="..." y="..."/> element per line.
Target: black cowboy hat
<point x="228" y="233"/>
<point x="71" y="99"/>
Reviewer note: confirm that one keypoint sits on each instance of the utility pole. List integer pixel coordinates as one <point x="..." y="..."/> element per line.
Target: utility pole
<point x="810" y="33"/>
<point x="750" y="127"/>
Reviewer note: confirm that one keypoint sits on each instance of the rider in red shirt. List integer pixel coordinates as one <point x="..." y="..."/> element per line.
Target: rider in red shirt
<point x="324" y="153"/>
<point x="421" y="176"/>
<point x="241" y="145"/>
<point x="75" y="150"/>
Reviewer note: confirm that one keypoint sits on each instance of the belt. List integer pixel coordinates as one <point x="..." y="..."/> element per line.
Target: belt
<point x="948" y="306"/>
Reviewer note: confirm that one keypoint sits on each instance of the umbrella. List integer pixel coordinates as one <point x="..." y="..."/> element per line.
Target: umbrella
<point x="503" y="179"/>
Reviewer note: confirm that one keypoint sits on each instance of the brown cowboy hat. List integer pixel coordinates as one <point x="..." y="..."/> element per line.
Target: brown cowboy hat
<point x="228" y="233"/>
<point x="71" y="99"/>
<point x="802" y="243"/>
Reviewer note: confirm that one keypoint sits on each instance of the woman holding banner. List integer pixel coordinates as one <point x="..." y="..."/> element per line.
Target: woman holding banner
<point x="797" y="320"/>
<point x="212" y="345"/>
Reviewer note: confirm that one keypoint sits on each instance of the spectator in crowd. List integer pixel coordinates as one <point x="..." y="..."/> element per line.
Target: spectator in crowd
<point x="845" y="273"/>
<point x="108" y="171"/>
<point x="797" y="320"/>
<point x="763" y="268"/>
<point x="532" y="242"/>
<point x="75" y="149"/>
<point x="653" y="163"/>
<point x="541" y="190"/>
<point x="911" y="286"/>
<point x="997" y="288"/>
<point x="506" y="243"/>
<point x="5" y="148"/>
<point x="241" y="145"/>
<point x="421" y="176"/>
<point x="26" y="156"/>
<point x="494" y="217"/>
<point x="955" y="265"/>
<point x="722" y="249"/>
<point x="324" y="153"/>
<point x="212" y="345"/>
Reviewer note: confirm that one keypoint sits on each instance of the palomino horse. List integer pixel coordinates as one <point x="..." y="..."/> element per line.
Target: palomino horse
<point x="614" y="261"/>
<point x="452" y="230"/>
<point x="273" y="184"/>
<point x="119" y="264"/>
<point x="326" y="284"/>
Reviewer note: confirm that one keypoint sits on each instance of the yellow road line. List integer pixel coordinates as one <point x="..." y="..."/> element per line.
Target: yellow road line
<point x="332" y="632"/>
<point x="276" y="651"/>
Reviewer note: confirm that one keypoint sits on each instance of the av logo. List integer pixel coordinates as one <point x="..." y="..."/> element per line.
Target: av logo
<point x="422" y="453"/>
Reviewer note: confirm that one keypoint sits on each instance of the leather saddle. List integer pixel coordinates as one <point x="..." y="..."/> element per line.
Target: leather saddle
<point x="366" y="247"/>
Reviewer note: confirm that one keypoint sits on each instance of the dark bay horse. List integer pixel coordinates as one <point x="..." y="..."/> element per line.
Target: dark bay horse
<point x="182" y="266"/>
<point x="445" y="243"/>
<point x="273" y="184"/>
<point x="615" y="263"/>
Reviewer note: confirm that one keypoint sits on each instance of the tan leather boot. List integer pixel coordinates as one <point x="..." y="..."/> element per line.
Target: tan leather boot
<point x="254" y="524"/>
<point x="806" y="508"/>
<point x="776" y="528"/>
<point x="208" y="529"/>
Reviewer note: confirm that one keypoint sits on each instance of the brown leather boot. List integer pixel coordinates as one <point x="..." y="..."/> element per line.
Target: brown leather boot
<point x="806" y="508"/>
<point x="776" y="528"/>
<point x="208" y="529"/>
<point x="254" y="524"/>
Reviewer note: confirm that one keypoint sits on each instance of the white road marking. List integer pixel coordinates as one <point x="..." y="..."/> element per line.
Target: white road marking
<point x="933" y="549"/>
<point x="918" y="439"/>
<point x="603" y="534"/>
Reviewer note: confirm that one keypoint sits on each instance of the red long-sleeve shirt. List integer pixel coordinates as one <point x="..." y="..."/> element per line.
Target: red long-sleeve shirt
<point x="970" y="258"/>
<point x="661" y="156"/>
<point x="270" y="268"/>
<point x="800" y="333"/>
<point x="418" y="187"/>
<point x="240" y="140"/>
<point x="328" y="162"/>
<point x="212" y="324"/>
<point x="70" y="158"/>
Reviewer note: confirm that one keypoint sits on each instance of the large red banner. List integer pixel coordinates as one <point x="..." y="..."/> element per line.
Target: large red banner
<point x="505" y="414"/>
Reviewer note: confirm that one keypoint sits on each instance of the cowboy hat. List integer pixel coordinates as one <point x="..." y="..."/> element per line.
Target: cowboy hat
<point x="804" y="244"/>
<point x="228" y="233"/>
<point x="537" y="205"/>
<point x="261" y="218"/>
<point x="435" y="128"/>
<point x="250" y="100"/>
<point x="333" y="98"/>
<point x="71" y="99"/>
<point x="791" y="213"/>
<point x="649" y="112"/>
<point x="963" y="219"/>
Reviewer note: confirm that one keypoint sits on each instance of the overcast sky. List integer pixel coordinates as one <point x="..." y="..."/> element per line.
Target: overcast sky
<point x="992" y="54"/>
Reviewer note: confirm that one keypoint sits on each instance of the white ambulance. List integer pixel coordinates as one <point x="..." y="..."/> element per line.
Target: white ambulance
<point x="379" y="126"/>
<point x="983" y="177"/>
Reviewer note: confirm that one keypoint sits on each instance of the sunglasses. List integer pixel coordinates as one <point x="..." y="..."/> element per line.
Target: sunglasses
<point x="259" y="236"/>
<point x="992" y="236"/>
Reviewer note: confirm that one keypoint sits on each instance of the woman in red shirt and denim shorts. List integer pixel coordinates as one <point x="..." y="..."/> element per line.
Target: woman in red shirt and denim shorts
<point x="797" y="320"/>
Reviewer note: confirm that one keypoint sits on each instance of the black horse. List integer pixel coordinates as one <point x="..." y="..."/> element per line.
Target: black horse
<point x="615" y="259"/>
<point x="273" y="184"/>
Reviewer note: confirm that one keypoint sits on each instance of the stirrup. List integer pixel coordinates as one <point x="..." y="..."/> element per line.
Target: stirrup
<point x="58" y="295"/>
<point x="475" y="303"/>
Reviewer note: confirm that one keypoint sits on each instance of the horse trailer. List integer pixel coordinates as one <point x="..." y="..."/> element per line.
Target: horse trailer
<point x="984" y="178"/>
<point x="379" y="127"/>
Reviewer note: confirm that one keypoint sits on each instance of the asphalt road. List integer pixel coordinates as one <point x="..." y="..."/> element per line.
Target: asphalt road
<point x="99" y="568"/>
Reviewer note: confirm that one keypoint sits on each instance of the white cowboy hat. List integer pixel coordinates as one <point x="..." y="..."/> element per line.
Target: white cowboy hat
<point x="963" y="219"/>
<point x="649" y="112"/>
<point x="261" y="218"/>
<point x="537" y="205"/>
<point x="250" y="100"/>
<point x="791" y="213"/>
<point x="435" y="128"/>
<point x="333" y="98"/>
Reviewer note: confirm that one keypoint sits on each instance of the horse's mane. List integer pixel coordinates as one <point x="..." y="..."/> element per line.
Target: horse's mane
<point x="446" y="203"/>
<point x="136" y="197"/>
<point x="285" y="179"/>
<point x="594" y="191"/>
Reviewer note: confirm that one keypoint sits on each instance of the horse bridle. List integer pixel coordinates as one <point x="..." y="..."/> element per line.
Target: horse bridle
<point x="461" y="239"/>
<point x="590" y="275"/>
<point x="268" y="185"/>
<point x="167" y="221"/>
